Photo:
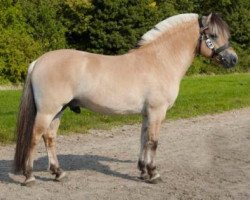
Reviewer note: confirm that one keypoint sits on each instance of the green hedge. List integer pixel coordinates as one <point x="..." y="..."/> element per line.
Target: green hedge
<point x="31" y="28"/>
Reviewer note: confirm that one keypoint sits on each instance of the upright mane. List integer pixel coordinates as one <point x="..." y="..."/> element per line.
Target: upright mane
<point x="165" y="26"/>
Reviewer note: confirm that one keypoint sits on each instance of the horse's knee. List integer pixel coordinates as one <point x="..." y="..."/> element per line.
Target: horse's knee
<point x="49" y="140"/>
<point x="152" y="145"/>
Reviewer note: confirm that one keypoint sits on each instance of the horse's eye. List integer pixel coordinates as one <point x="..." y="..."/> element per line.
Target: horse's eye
<point x="213" y="36"/>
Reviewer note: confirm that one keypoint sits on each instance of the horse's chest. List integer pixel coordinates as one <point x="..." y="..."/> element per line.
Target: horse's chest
<point x="172" y="95"/>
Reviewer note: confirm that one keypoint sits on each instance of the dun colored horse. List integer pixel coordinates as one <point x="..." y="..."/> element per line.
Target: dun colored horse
<point x="145" y="80"/>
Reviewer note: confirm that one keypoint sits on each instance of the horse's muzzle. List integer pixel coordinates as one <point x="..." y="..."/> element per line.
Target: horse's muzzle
<point x="229" y="60"/>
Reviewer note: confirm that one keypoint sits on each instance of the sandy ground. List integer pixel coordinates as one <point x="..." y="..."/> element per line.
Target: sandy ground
<point x="201" y="158"/>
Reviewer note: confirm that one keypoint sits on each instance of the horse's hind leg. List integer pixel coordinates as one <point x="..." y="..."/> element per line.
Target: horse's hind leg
<point x="150" y="135"/>
<point x="50" y="143"/>
<point x="41" y="125"/>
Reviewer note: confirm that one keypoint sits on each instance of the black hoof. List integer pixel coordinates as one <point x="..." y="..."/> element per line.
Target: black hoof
<point x="144" y="177"/>
<point x="29" y="182"/>
<point x="60" y="178"/>
<point x="155" y="180"/>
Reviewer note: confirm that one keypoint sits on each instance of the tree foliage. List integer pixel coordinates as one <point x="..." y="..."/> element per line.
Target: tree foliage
<point x="106" y="26"/>
<point x="44" y="24"/>
<point x="76" y="18"/>
<point x="17" y="47"/>
<point x="30" y="28"/>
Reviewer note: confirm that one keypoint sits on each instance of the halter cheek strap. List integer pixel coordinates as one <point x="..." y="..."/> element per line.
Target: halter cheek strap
<point x="202" y="32"/>
<point x="220" y="49"/>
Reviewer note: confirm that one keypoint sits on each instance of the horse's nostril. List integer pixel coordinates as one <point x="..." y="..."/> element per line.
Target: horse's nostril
<point x="234" y="60"/>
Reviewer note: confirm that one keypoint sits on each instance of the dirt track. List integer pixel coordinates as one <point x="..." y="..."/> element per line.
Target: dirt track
<point x="202" y="158"/>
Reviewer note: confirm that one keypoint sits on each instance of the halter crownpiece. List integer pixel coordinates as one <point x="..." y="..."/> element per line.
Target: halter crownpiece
<point x="208" y="41"/>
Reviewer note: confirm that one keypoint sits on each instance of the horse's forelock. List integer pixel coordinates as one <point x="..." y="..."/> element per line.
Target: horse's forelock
<point x="218" y="26"/>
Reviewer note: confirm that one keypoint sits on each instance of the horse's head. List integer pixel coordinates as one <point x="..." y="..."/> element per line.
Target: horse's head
<point x="214" y="41"/>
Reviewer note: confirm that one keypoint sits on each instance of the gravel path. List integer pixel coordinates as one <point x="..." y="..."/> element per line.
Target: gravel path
<point x="201" y="158"/>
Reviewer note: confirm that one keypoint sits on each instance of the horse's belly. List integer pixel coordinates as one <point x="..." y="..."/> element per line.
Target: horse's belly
<point x="113" y="106"/>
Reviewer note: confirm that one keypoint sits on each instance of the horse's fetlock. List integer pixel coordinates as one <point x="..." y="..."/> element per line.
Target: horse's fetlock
<point x="55" y="170"/>
<point x="141" y="165"/>
<point x="151" y="169"/>
<point x="27" y="172"/>
<point x="144" y="176"/>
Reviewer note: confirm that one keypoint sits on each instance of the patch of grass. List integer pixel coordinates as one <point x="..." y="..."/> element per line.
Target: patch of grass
<point x="9" y="101"/>
<point x="199" y="95"/>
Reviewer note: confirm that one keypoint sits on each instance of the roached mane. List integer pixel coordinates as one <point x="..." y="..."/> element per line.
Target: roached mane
<point x="216" y="25"/>
<point x="164" y="26"/>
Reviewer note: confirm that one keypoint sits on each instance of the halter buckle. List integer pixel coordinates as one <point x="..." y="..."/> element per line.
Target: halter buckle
<point x="209" y="44"/>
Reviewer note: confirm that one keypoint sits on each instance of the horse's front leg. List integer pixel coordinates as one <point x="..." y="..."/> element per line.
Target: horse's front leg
<point x="141" y="162"/>
<point x="149" y="141"/>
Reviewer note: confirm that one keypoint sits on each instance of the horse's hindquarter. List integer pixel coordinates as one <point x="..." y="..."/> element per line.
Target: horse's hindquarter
<point x="54" y="77"/>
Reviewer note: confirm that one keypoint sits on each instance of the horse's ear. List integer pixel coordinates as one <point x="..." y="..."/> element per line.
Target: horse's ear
<point x="208" y="18"/>
<point x="204" y="20"/>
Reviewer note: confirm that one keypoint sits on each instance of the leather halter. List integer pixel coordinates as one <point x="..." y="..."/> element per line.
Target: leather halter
<point x="209" y="43"/>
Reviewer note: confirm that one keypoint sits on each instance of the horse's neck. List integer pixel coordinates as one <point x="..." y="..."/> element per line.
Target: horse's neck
<point x="175" y="51"/>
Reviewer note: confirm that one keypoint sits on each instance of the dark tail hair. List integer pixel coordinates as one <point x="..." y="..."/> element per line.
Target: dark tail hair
<point x="24" y="128"/>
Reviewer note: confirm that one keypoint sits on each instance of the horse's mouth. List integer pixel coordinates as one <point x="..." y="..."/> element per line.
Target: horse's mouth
<point x="226" y="61"/>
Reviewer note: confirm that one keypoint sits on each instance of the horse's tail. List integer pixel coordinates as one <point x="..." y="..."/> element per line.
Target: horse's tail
<point x="25" y="123"/>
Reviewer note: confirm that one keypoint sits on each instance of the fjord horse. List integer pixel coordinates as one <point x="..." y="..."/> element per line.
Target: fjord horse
<point x="145" y="80"/>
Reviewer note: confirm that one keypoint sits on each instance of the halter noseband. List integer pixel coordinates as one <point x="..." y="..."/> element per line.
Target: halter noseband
<point x="209" y="43"/>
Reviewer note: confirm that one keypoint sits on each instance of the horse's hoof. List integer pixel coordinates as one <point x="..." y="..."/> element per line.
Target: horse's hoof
<point x="144" y="177"/>
<point x="29" y="182"/>
<point x="154" y="180"/>
<point x="61" y="177"/>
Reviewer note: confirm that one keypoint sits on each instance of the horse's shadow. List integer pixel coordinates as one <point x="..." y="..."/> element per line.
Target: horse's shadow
<point x="69" y="163"/>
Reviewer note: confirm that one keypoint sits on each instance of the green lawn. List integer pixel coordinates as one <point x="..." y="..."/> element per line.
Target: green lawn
<point x="198" y="96"/>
